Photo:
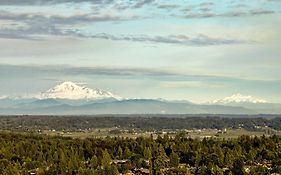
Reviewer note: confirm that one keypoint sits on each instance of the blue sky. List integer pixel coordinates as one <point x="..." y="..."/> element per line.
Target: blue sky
<point x="197" y="50"/>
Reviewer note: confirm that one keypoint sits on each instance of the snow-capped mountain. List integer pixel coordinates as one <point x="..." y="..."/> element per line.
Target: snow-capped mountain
<point x="72" y="91"/>
<point x="238" y="98"/>
<point x="69" y="98"/>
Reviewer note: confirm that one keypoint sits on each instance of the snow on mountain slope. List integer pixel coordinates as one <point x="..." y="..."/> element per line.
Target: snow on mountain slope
<point x="3" y="97"/>
<point x="72" y="91"/>
<point x="238" y="98"/>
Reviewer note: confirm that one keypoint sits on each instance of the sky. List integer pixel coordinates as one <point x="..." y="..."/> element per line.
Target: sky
<point x="196" y="50"/>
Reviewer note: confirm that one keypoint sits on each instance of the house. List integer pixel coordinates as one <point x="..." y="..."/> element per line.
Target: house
<point x="142" y="171"/>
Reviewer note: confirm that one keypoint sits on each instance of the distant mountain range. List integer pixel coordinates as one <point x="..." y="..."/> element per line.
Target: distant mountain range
<point x="69" y="98"/>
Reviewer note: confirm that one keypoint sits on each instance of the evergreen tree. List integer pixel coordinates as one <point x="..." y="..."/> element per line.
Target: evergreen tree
<point x="94" y="162"/>
<point x="120" y="152"/>
<point x="174" y="159"/>
<point x="238" y="167"/>
<point x="147" y="153"/>
<point x="106" y="159"/>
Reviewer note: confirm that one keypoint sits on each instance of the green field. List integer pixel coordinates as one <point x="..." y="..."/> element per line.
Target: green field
<point x="196" y="133"/>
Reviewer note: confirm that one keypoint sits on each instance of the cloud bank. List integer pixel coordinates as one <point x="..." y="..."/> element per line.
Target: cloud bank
<point x="199" y="40"/>
<point x="50" y="2"/>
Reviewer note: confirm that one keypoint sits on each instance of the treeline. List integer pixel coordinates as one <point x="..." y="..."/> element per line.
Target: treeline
<point x="45" y="155"/>
<point x="145" y="122"/>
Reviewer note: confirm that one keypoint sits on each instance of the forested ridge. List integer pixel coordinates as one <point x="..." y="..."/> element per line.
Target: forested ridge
<point x="144" y="122"/>
<point x="46" y="155"/>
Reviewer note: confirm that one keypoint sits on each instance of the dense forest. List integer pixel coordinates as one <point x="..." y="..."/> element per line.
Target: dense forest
<point x="144" y="122"/>
<point x="45" y="155"/>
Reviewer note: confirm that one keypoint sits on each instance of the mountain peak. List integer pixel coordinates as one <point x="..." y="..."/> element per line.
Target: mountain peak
<point x="239" y="98"/>
<point x="70" y="90"/>
<point x="68" y="83"/>
<point x="65" y="86"/>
